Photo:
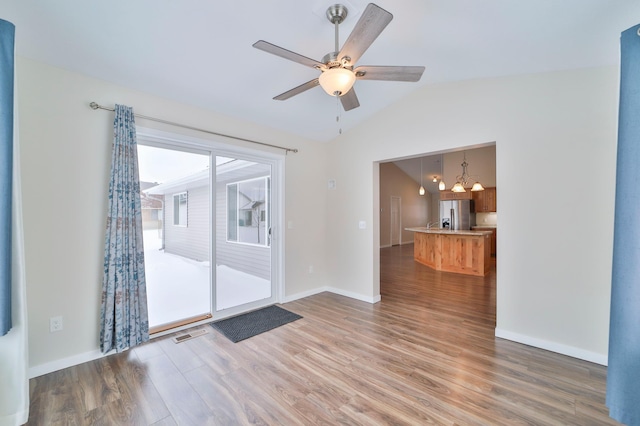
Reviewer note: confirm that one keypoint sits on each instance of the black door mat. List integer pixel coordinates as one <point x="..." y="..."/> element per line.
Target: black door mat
<point x="253" y="323"/>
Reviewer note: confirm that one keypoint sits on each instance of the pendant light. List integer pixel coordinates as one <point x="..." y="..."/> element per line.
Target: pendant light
<point x="421" y="190"/>
<point x="465" y="179"/>
<point x="441" y="185"/>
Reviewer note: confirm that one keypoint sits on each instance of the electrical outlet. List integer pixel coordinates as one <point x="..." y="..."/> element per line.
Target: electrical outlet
<point x="311" y="269"/>
<point x="55" y="324"/>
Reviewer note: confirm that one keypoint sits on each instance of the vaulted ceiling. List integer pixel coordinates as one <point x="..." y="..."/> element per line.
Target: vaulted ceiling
<point x="201" y="53"/>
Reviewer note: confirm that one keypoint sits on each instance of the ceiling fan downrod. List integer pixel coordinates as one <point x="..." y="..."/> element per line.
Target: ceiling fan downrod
<point x="336" y="14"/>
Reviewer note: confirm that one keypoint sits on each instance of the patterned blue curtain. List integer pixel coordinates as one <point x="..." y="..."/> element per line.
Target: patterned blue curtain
<point x="124" y="316"/>
<point x="7" y="35"/>
<point x="623" y="373"/>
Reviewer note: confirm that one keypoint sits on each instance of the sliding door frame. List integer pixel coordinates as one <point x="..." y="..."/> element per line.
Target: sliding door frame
<point x="168" y="140"/>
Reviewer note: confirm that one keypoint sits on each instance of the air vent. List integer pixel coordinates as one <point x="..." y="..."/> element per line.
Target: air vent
<point x="190" y="335"/>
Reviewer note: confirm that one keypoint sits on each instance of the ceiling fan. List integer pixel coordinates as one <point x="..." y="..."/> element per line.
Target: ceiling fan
<point x="337" y="68"/>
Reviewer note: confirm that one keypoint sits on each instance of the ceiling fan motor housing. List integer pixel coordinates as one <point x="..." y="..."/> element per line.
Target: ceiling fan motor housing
<point x="337" y="13"/>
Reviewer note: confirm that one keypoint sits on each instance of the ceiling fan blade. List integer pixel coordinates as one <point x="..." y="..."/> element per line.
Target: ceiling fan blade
<point x="372" y="72"/>
<point x="297" y="90"/>
<point x="349" y="100"/>
<point x="286" y="54"/>
<point x="374" y="19"/>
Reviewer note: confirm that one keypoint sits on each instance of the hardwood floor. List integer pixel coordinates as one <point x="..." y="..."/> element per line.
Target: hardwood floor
<point x="426" y="354"/>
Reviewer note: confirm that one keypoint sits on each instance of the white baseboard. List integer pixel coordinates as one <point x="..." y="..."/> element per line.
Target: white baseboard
<point x="349" y="294"/>
<point x="63" y="363"/>
<point x="304" y="294"/>
<point x="553" y="347"/>
<point x="60" y="364"/>
<point x="352" y="295"/>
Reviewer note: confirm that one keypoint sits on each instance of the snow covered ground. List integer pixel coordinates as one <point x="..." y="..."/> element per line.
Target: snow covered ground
<point x="178" y="287"/>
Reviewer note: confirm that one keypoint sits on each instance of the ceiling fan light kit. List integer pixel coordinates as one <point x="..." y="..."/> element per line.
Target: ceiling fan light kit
<point x="337" y="68"/>
<point x="337" y="81"/>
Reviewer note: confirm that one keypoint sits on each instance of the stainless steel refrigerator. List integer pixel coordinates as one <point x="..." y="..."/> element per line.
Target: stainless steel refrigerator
<point x="457" y="215"/>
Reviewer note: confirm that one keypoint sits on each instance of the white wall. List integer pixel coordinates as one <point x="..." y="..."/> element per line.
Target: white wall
<point x="553" y="280"/>
<point x="551" y="130"/>
<point x="65" y="166"/>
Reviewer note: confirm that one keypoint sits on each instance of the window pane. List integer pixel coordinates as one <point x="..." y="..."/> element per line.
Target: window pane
<point x="251" y="205"/>
<point x="232" y="209"/>
<point x="180" y="209"/>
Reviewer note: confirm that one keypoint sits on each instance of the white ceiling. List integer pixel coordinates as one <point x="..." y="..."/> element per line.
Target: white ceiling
<point x="200" y="52"/>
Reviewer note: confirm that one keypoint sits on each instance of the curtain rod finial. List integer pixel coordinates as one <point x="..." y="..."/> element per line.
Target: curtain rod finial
<point x="94" y="105"/>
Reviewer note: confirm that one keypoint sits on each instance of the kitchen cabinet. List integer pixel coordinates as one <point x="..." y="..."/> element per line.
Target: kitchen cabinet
<point x="485" y="201"/>
<point x="494" y="237"/>
<point x="448" y="195"/>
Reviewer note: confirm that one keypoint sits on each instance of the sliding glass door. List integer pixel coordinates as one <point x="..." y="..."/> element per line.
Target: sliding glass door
<point x="175" y="198"/>
<point x="243" y="233"/>
<point x="208" y="218"/>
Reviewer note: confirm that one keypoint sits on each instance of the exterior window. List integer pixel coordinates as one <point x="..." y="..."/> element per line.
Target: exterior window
<point x="248" y="212"/>
<point x="180" y="209"/>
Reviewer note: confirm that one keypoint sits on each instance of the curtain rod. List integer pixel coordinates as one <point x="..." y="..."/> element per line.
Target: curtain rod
<point x="94" y="106"/>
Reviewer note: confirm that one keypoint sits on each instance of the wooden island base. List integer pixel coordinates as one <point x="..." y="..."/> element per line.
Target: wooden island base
<point x="463" y="252"/>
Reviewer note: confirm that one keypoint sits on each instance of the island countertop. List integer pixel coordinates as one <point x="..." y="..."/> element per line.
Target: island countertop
<point x="464" y="252"/>
<point x="426" y="230"/>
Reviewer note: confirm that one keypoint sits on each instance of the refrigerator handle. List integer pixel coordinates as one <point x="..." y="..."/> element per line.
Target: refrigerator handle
<point x="453" y="220"/>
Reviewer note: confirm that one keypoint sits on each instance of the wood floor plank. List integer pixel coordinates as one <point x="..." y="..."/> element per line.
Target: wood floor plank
<point x="136" y="387"/>
<point x="226" y="409"/>
<point x="184" y="403"/>
<point x="425" y="354"/>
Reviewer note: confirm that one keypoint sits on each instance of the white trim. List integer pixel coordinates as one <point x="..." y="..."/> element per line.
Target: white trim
<point x="553" y="347"/>
<point x="62" y="363"/>
<point x="226" y="147"/>
<point x="178" y="216"/>
<point x="349" y="294"/>
<point x="162" y="139"/>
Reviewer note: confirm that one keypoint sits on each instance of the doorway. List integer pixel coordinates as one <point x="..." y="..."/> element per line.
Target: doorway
<point x="212" y="247"/>
<point x="396" y="222"/>
<point x="404" y="176"/>
<point x="174" y="195"/>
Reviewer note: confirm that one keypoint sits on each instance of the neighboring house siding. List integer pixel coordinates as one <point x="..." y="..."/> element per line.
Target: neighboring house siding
<point x="191" y="241"/>
<point x="253" y="260"/>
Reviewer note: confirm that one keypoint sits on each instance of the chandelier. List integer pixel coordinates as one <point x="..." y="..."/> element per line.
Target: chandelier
<point x="465" y="179"/>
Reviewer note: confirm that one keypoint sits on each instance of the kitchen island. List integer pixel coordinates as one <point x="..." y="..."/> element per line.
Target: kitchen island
<point x="463" y="252"/>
